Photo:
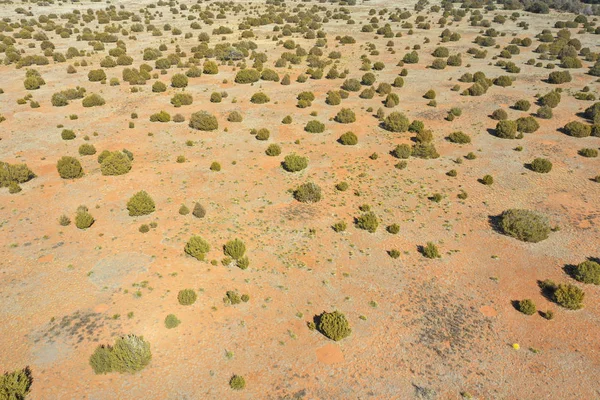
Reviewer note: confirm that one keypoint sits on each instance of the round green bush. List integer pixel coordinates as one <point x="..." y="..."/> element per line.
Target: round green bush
<point x="179" y="81"/>
<point x="334" y="325"/>
<point x="187" y="297"/>
<point x="96" y="75"/>
<point x="348" y="139"/>
<point x="333" y="98"/>
<point x="197" y="247"/>
<point x="544" y="112"/>
<point x="159" y="87"/>
<point x="83" y="219"/>
<point x="499" y="115"/>
<point x="345" y="116"/>
<point x="237" y="382"/>
<point x="351" y="85"/>
<point x="203" y="121"/>
<point x="569" y="296"/>
<point x="69" y="168"/>
<point x="396" y="122"/>
<point x="273" y="150"/>
<point x="541" y="165"/>
<point x="259" y="98"/>
<point x="506" y="129"/>
<point x="182" y="99"/>
<point x="161" y="116"/>
<point x="308" y="193"/>
<point x="215" y="166"/>
<point x="115" y="163"/>
<point x="527" y="307"/>
<point x="130" y="354"/>
<point x="527" y="124"/>
<point x="588" y="152"/>
<point x="93" y="100"/>
<point x="577" y="129"/>
<point x="430" y="250"/>
<point x="210" y="68"/>
<point x="367" y="221"/>
<point x="294" y="163"/>
<point x="67" y="134"/>
<point x="234" y="116"/>
<point x="199" y="211"/>
<point x="522" y="105"/>
<point x="314" y="126"/>
<point x="402" y="151"/>
<point x="171" y="321"/>
<point x="587" y="272"/>
<point x="87" y="149"/>
<point x="459" y="137"/>
<point x="247" y="76"/>
<point x="234" y="249"/>
<point x="525" y="225"/>
<point x="140" y="204"/>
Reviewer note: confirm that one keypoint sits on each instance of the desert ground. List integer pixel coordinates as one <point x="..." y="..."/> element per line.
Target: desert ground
<point x="442" y="326"/>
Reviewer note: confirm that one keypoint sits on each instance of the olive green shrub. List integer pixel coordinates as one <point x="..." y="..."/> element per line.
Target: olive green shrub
<point x="69" y="168"/>
<point x="197" y="247"/>
<point x="140" y="204"/>
<point x="129" y="354"/>
<point x="525" y="225"/>
<point x="333" y="325"/>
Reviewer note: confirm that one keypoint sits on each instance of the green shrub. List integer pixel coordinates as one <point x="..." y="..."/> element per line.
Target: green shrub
<point x="144" y="228"/>
<point x="544" y="112"/>
<point x="541" y="165"/>
<point x="161" y="116"/>
<point x="187" y="297"/>
<point x="184" y="210"/>
<point x="550" y="99"/>
<point x="140" y="204"/>
<point x="396" y="122"/>
<point x="527" y="307"/>
<point x="263" y="134"/>
<point x="314" y="126"/>
<point x="522" y="105"/>
<point x="503" y="81"/>
<point x="416" y="126"/>
<point x="430" y="250"/>
<point x="269" y="75"/>
<point x="588" y="152"/>
<point x="182" y="99"/>
<point x="234" y="249"/>
<point x="367" y="221"/>
<point x="424" y="150"/>
<point x="577" y="129"/>
<point x="348" y="139"/>
<point x="87" y="149"/>
<point x="499" y="115"/>
<point x="247" y="76"/>
<point x="232" y="297"/>
<point x="199" y="211"/>
<point x="506" y="129"/>
<point x="527" y="124"/>
<point x="342" y="186"/>
<point x="558" y="77"/>
<point x="69" y="168"/>
<point x="210" y="68"/>
<point x="171" y="321"/>
<point x="308" y="193"/>
<point x="259" y="98"/>
<point x="15" y="385"/>
<point x="569" y="296"/>
<point x="459" y="137"/>
<point x="197" y="247"/>
<point x="67" y="134"/>
<point x="398" y="82"/>
<point x="333" y="98"/>
<point x="525" y="225"/>
<point x="159" y="87"/>
<point x="339" y="226"/>
<point x="234" y="116"/>
<point x="273" y="150"/>
<point x="587" y="272"/>
<point x="393" y="229"/>
<point x="237" y="382"/>
<point x="129" y="354"/>
<point x="115" y="163"/>
<point x="430" y="94"/>
<point x="96" y="75"/>
<point x="487" y="180"/>
<point x="215" y="166"/>
<point x="345" y="116"/>
<point x="83" y="219"/>
<point x="179" y="81"/>
<point x="351" y="85"/>
<point x="402" y="151"/>
<point x="334" y="325"/>
<point x="93" y="100"/>
<point x="203" y="121"/>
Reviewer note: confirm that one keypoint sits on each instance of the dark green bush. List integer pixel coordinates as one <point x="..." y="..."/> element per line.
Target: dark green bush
<point x="69" y="168"/>
<point x="215" y="166"/>
<point x="430" y="94"/>
<point x="67" y="134"/>
<point x="503" y="81"/>
<point x="527" y="307"/>
<point x="425" y="150"/>
<point x="237" y="382"/>
<point x="430" y="250"/>
<point x="402" y="151"/>
<point x="203" y="121"/>
<point x="161" y="116"/>
<point x="558" y="77"/>
<point x="140" y="204"/>
<point x="544" y="112"/>
<point x="187" y="297"/>
<point x="550" y="99"/>
<point x="506" y="129"/>
<point x="93" y="100"/>
<point x="247" y="76"/>
<point x="210" y="68"/>
<point x="171" y="321"/>
<point x="96" y="75"/>
<point x="522" y="105"/>
<point x="351" y="85"/>
<point x="273" y="150"/>
<point x="565" y="294"/>
<point x="259" y="98"/>
<point x="588" y="152"/>
<point x="525" y="225"/>
<point x="199" y="211"/>
<point x="527" y="124"/>
<point x="197" y="247"/>
<point x="129" y="354"/>
<point x="367" y="221"/>
<point x="314" y="126"/>
<point x="459" y="137"/>
<point x="234" y="249"/>
<point x="294" y="163"/>
<point x="577" y="129"/>
<point x="83" y="219"/>
<point x="345" y="116"/>
<point x="263" y="134"/>
<point x="587" y="272"/>
<point x="339" y="226"/>
<point x="333" y="98"/>
<point x="499" y="115"/>
<point x="115" y="163"/>
<point x="334" y="325"/>
<point x="348" y="139"/>
<point x="179" y="81"/>
<point x="396" y="122"/>
<point x="159" y="87"/>
<point x="308" y="193"/>
<point x="541" y="165"/>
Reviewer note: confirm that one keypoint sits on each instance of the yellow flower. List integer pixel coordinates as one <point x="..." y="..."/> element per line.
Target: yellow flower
<point x="516" y="346"/>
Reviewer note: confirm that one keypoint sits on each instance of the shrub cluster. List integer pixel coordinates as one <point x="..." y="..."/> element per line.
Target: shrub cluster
<point x="129" y="354"/>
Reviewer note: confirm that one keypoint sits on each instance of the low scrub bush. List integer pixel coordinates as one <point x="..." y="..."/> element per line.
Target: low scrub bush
<point x="140" y="204"/>
<point x="308" y="193"/>
<point x="430" y="250"/>
<point x="314" y="126"/>
<point x="459" y="137"/>
<point x="15" y="385"/>
<point x="333" y="325"/>
<point x="129" y="354"/>
<point x="541" y="165"/>
<point x="587" y="272"/>
<point x="69" y="168"/>
<point x="525" y="225"/>
<point x="526" y="306"/>
<point x="203" y="121"/>
<point x="577" y="129"/>
<point x="187" y="297"/>
<point x="367" y="221"/>
<point x="396" y="122"/>
<point x="294" y="163"/>
<point x="115" y="163"/>
<point x="197" y="247"/>
<point x="348" y="139"/>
